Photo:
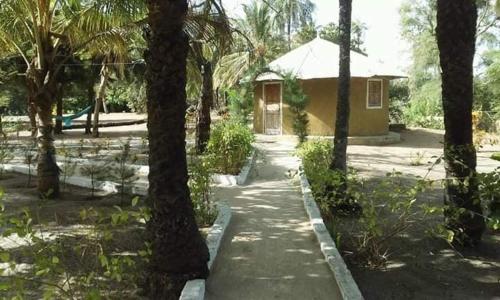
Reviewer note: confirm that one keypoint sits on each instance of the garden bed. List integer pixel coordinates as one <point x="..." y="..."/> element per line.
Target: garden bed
<point x="240" y="179"/>
<point x="408" y="256"/>
<point x="79" y="218"/>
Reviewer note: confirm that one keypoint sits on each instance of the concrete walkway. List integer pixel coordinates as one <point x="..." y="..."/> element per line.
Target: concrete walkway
<point x="269" y="250"/>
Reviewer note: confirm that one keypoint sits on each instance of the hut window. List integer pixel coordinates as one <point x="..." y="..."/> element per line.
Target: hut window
<point x="374" y="93"/>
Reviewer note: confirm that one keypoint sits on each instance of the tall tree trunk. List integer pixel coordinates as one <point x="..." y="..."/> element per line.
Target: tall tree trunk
<point x="48" y="171"/>
<point x="101" y="92"/>
<point x="339" y="161"/>
<point x="59" y="110"/>
<point x="203" y="115"/>
<point x="179" y="253"/>
<point x="456" y="30"/>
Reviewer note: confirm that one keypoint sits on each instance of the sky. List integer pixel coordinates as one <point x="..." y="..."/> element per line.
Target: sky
<point x="382" y="39"/>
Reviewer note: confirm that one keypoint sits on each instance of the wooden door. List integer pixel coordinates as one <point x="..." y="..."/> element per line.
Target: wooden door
<point x="272" y="108"/>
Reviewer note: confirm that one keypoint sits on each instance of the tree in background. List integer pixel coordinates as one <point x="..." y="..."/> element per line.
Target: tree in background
<point x="456" y="39"/>
<point x="210" y="39"/>
<point x="179" y="253"/>
<point x="255" y="43"/>
<point x="46" y="34"/>
<point x="291" y="15"/>
<point x="418" y="26"/>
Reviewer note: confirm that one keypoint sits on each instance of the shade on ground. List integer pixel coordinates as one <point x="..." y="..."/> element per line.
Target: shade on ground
<point x="269" y="250"/>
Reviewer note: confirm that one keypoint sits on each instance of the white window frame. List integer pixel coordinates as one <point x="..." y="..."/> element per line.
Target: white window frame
<point x="280" y="83"/>
<point x="381" y="94"/>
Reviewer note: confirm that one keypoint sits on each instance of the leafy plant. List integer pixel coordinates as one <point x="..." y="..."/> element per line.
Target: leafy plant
<point x="416" y="158"/>
<point x="96" y="169"/>
<point x="200" y="179"/>
<point x="229" y="146"/>
<point x="297" y="100"/>
<point x="122" y="171"/>
<point x="102" y="267"/>
<point x="489" y="190"/>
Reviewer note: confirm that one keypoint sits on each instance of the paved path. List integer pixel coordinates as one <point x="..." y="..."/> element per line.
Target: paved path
<point x="269" y="250"/>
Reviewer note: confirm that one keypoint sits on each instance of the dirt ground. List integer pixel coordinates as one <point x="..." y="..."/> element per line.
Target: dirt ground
<point x="62" y="224"/>
<point x="421" y="266"/>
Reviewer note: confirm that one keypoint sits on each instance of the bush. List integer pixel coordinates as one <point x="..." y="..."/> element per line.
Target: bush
<point x="199" y="186"/>
<point x="489" y="192"/>
<point x="297" y="100"/>
<point x="329" y="187"/>
<point x="229" y="146"/>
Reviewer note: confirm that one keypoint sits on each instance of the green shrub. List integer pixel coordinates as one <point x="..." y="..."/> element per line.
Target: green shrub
<point x="294" y="96"/>
<point x="316" y="157"/>
<point x="200" y="176"/>
<point x="229" y="146"/>
<point x="489" y="191"/>
<point x="329" y="187"/>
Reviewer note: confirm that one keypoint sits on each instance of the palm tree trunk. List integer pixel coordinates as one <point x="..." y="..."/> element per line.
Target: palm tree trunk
<point x="59" y="110"/>
<point x="100" y="98"/>
<point x="48" y="171"/>
<point x="179" y="253"/>
<point x="456" y="30"/>
<point x="32" y="114"/>
<point x="339" y="161"/>
<point x="203" y="116"/>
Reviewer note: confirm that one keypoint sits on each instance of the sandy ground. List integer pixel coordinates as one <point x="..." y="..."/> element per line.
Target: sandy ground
<point x="269" y="250"/>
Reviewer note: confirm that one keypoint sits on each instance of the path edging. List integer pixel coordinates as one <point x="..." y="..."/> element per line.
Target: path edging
<point x="348" y="288"/>
<point x="195" y="289"/>
<point x="241" y="178"/>
<point x="106" y="186"/>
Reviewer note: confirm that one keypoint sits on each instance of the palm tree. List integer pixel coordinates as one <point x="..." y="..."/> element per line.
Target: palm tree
<point x="456" y="37"/>
<point x="292" y="14"/>
<point x="179" y="253"/>
<point x="210" y="34"/>
<point x="255" y="44"/>
<point x="46" y="34"/>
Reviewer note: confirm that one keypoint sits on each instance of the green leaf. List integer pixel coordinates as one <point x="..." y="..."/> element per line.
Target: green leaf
<point x="135" y="200"/>
<point x="55" y="260"/>
<point x="449" y="236"/>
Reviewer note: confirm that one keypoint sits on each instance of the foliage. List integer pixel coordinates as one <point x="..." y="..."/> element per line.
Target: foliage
<point x="5" y="154"/>
<point x="295" y="97"/>
<point x="489" y="190"/>
<point x="229" y="146"/>
<point x="240" y="101"/>
<point x="425" y="108"/>
<point x="200" y="179"/>
<point x="418" y="23"/>
<point x="329" y="186"/>
<point x="83" y="264"/>
<point x="399" y="95"/>
<point x="388" y="209"/>
<point x="416" y="158"/>
<point x="122" y="171"/>
<point x="96" y="168"/>
<point x="331" y="32"/>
